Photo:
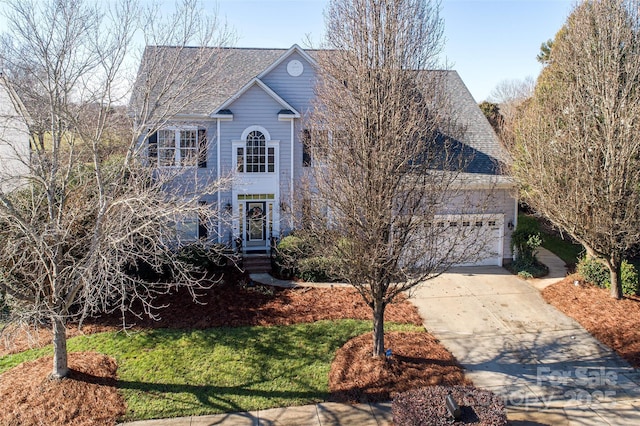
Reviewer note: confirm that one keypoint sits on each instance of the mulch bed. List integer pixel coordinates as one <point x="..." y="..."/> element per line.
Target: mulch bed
<point x="426" y="406"/>
<point x="417" y="360"/>
<point x="87" y="397"/>
<point x="616" y="323"/>
<point x="229" y="305"/>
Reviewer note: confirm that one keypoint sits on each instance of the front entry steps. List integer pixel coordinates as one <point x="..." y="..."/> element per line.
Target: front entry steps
<point x="256" y="263"/>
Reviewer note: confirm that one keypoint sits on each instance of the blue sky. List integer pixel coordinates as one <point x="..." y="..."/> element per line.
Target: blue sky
<point x="487" y="40"/>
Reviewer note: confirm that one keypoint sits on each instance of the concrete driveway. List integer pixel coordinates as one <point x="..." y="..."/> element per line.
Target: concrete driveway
<point x="547" y="367"/>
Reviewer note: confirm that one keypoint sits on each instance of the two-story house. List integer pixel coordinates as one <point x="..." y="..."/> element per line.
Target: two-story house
<point x="252" y="128"/>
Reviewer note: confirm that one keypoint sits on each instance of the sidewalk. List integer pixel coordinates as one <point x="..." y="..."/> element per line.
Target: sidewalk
<point x="322" y="414"/>
<point x="557" y="269"/>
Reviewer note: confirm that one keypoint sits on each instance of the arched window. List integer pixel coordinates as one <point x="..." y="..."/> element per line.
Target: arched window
<point x="255" y="156"/>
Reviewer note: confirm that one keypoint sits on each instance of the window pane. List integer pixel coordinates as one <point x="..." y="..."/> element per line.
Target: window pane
<point x="240" y="159"/>
<point x="166" y="147"/>
<point x="256" y="152"/>
<point x="271" y="160"/>
<point x="188" y="147"/>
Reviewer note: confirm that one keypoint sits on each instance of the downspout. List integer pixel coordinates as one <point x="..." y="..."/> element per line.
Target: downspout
<point x="218" y="177"/>
<point x="292" y="174"/>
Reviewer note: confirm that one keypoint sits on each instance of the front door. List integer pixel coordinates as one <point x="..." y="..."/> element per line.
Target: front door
<point x="256" y="223"/>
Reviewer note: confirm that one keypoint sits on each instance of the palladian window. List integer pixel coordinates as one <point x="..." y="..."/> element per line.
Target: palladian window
<point x="255" y="156"/>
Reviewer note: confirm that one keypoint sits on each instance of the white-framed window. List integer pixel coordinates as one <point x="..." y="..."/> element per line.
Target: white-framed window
<point x="178" y="147"/>
<point x="187" y="228"/>
<point x="256" y="154"/>
<point x="314" y="140"/>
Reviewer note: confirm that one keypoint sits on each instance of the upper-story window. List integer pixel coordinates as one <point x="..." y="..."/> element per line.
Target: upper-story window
<point x="178" y="147"/>
<point x="256" y="156"/>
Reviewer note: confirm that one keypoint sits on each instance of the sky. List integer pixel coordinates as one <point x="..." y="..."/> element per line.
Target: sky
<point x="487" y="41"/>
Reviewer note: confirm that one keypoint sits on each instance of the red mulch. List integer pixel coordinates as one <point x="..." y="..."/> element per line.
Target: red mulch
<point x="616" y="323"/>
<point x="87" y="397"/>
<point x="417" y="360"/>
<point x="230" y="305"/>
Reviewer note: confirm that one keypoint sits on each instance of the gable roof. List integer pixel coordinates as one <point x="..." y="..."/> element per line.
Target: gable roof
<point x="242" y="68"/>
<point x="257" y="82"/>
<point x="238" y="67"/>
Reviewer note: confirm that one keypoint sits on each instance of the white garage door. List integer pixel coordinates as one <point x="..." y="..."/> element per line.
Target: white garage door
<point x="476" y="240"/>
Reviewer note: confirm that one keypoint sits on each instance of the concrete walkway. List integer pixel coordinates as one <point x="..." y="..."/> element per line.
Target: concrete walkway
<point x="557" y="269"/>
<point x="323" y="414"/>
<point x="549" y="370"/>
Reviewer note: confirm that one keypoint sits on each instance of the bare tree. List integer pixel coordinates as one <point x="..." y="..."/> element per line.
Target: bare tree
<point x="90" y="213"/>
<point x="578" y="142"/>
<point x="510" y="95"/>
<point x="386" y="159"/>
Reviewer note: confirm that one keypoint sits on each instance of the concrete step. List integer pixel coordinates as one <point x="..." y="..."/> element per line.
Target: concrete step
<point x="256" y="263"/>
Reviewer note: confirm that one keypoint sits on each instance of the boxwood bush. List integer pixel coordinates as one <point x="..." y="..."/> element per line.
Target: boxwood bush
<point x="289" y="251"/>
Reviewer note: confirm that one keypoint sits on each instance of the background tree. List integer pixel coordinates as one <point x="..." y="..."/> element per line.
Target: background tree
<point x="90" y="214"/>
<point x="509" y="96"/>
<point x="384" y="159"/>
<point x="578" y="142"/>
<point x="544" y="57"/>
<point x="492" y="112"/>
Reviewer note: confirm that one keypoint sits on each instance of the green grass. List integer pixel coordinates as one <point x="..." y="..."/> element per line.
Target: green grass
<point x="566" y="250"/>
<point x="569" y="252"/>
<point x="171" y="373"/>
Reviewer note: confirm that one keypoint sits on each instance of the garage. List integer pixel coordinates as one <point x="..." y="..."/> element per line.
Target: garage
<point x="473" y="240"/>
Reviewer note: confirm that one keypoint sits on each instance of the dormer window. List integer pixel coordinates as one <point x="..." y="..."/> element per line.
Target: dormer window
<point x="256" y="156"/>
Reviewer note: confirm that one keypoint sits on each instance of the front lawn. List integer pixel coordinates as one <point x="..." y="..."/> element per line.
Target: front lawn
<point x="170" y="373"/>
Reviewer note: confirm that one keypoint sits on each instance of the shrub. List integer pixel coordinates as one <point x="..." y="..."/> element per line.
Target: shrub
<point x="426" y="406"/>
<point x="525" y="241"/>
<point x="315" y="269"/>
<point x="204" y="258"/>
<point x="597" y="273"/>
<point x="289" y="251"/>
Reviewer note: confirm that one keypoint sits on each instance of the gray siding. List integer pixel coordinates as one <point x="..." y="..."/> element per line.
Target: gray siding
<point x="299" y="92"/>
<point x="257" y="108"/>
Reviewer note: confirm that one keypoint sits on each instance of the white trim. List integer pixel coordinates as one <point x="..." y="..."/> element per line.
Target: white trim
<point x="218" y="177"/>
<point x="260" y="129"/>
<point x="256" y="82"/>
<point x="192" y="117"/>
<point x="223" y="117"/>
<point x="292" y="172"/>
<point x="285" y="55"/>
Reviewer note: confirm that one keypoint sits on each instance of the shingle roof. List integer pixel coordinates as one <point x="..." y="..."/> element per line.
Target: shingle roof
<point x="238" y="66"/>
<point x="477" y="132"/>
<point x="234" y="68"/>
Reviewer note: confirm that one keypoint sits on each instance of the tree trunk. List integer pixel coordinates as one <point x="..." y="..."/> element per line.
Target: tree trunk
<point x="378" y="328"/>
<point x="615" y="267"/>
<point x="60" y="364"/>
